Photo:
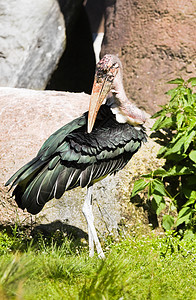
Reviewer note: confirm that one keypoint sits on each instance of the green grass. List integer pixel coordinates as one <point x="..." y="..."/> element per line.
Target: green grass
<point x="136" y="267"/>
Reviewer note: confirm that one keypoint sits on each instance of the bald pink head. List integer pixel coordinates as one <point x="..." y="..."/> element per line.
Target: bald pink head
<point x="108" y="78"/>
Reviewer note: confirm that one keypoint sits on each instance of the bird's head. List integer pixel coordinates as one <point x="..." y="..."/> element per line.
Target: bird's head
<point x="108" y="78"/>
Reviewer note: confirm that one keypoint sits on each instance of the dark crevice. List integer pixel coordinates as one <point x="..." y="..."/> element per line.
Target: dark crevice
<point x="75" y="71"/>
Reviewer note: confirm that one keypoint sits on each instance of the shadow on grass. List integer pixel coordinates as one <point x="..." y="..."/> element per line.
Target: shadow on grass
<point x="21" y="238"/>
<point x="49" y="229"/>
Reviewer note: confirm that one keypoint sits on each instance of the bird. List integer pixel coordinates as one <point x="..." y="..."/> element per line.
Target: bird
<point x="86" y="150"/>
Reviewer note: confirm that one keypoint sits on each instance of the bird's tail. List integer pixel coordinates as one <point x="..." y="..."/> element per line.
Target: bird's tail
<point x="23" y="179"/>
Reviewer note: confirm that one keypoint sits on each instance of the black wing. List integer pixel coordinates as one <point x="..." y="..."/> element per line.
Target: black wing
<point x="72" y="157"/>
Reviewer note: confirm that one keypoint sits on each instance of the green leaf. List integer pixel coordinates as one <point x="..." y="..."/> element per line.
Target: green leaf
<point x="158" y="203"/>
<point x="148" y="176"/>
<point x="157" y="123"/>
<point x="180" y="119"/>
<point x="184" y="211"/>
<point x="189" y="95"/>
<point x="191" y="200"/>
<point x="177" y="146"/>
<point x="184" y="215"/>
<point x="192" y="120"/>
<point x="179" y="170"/>
<point x="185" y="219"/>
<point x="162" y="206"/>
<point x="176" y="81"/>
<point x="192" y="155"/>
<point x="159" y="187"/>
<point x="189" y="194"/>
<point x="139" y="185"/>
<point x="192" y="80"/>
<point x="176" y="157"/>
<point x="161" y="152"/>
<point x="159" y="113"/>
<point x="172" y="92"/>
<point x="160" y="172"/>
<point x="168" y="122"/>
<point x="158" y="199"/>
<point x="150" y="189"/>
<point x="188" y="140"/>
<point x="168" y="222"/>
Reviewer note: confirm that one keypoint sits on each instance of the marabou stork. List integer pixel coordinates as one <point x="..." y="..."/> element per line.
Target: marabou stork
<point x="80" y="154"/>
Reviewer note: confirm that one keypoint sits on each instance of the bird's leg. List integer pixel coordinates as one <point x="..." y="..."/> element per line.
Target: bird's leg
<point x="93" y="238"/>
<point x="90" y="236"/>
<point x="87" y="210"/>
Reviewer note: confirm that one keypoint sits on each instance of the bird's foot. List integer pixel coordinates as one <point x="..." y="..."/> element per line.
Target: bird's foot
<point x="101" y="255"/>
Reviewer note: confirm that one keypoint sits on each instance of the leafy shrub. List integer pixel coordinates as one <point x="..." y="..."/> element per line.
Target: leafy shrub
<point x="175" y="182"/>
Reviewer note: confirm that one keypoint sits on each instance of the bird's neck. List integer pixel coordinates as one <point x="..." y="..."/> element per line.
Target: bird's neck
<point x="113" y="102"/>
<point x="122" y="107"/>
<point x="115" y="99"/>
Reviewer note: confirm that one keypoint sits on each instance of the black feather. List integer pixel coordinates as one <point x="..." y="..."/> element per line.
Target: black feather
<point x="71" y="157"/>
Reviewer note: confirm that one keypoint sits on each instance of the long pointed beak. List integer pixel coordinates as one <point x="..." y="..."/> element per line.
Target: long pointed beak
<point x="101" y="88"/>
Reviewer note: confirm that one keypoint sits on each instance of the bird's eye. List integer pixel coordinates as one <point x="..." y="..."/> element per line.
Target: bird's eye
<point x="110" y="76"/>
<point x="115" y="65"/>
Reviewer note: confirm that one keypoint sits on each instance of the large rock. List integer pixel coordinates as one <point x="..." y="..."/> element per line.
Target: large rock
<point x="156" y="43"/>
<point x="32" y="40"/>
<point x="27" y="118"/>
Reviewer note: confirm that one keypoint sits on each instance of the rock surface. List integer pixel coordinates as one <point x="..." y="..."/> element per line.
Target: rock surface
<point x="156" y="43"/>
<point x="32" y="39"/>
<point x="27" y="118"/>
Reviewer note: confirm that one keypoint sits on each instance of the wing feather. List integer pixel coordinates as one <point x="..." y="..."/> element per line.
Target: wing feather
<point x="62" y="182"/>
<point x="71" y="157"/>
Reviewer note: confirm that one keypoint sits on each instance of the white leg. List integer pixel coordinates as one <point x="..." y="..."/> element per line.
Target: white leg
<point x="93" y="238"/>
<point x="87" y="210"/>
<point x="90" y="236"/>
<point x="90" y="216"/>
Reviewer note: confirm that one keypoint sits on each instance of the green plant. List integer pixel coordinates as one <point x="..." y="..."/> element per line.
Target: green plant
<point x="175" y="182"/>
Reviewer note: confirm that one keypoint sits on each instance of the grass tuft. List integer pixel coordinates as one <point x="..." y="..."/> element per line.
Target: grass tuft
<point x="136" y="267"/>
